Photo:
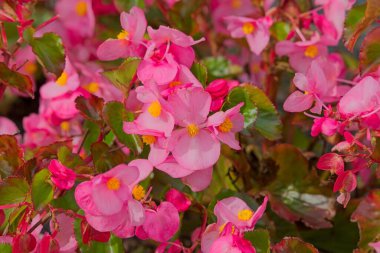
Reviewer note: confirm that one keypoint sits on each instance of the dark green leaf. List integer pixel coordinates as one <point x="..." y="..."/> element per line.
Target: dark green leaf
<point x="13" y="190"/>
<point x="42" y="190"/>
<point x="293" y="245"/>
<point x="68" y="158"/>
<point x="50" y="52"/>
<point x="259" y="239"/>
<point x="370" y="50"/>
<point x="115" y="114"/>
<point x="14" y="79"/>
<point x="105" y="158"/>
<point x="126" y="5"/>
<point x="91" y="108"/>
<point x="200" y="72"/>
<point x="66" y="201"/>
<point x="220" y="67"/>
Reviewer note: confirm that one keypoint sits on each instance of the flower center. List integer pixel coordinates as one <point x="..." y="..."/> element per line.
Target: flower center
<point x="311" y="51"/>
<point x="62" y="80"/>
<point x="65" y="126"/>
<point x="236" y="4"/>
<point x="192" y="129"/>
<point x="138" y="192"/>
<point x="123" y="35"/>
<point x="149" y="139"/>
<point x="92" y="87"/>
<point x="174" y="84"/>
<point x="113" y="184"/>
<point x="248" y="28"/>
<point x="81" y="8"/>
<point x="245" y="214"/>
<point x="30" y="67"/>
<point x="155" y="109"/>
<point x="226" y="126"/>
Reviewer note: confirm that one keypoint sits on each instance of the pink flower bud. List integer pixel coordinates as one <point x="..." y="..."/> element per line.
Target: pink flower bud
<point x="62" y="177"/>
<point x="178" y="199"/>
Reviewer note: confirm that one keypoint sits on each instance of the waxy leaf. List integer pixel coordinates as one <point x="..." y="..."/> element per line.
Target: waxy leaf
<point x="42" y="189"/>
<point x="115" y="114"/>
<point x="16" y="80"/>
<point x="200" y="72"/>
<point x="293" y="245"/>
<point x="370" y="50"/>
<point x="123" y="76"/>
<point x="11" y="155"/>
<point x="50" y="52"/>
<point x="91" y="108"/>
<point x="13" y="190"/>
<point x="260" y="240"/>
<point x="280" y="30"/>
<point x="105" y="158"/>
<point x="5" y="248"/>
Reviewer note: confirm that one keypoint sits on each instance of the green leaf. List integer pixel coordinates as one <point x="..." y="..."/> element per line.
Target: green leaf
<point x="220" y="67"/>
<point x="13" y="190"/>
<point x="66" y="201"/>
<point x="293" y="245"/>
<point x="11" y="155"/>
<point x="126" y="5"/>
<point x="200" y="72"/>
<point x="91" y="108"/>
<point x="14" y="79"/>
<point x="5" y="248"/>
<point x="49" y="52"/>
<point x="123" y="76"/>
<point x="105" y="158"/>
<point x="68" y="158"/>
<point x="259" y="239"/>
<point x="370" y="50"/>
<point x="367" y="215"/>
<point x="296" y="193"/>
<point x="115" y="114"/>
<point x="280" y="30"/>
<point x="42" y="190"/>
<point x="93" y="133"/>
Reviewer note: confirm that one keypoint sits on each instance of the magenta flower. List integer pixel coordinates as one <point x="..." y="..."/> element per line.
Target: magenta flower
<point x="77" y="16"/>
<point x="325" y="125"/>
<point x="232" y="244"/>
<point x="256" y="31"/>
<point x="61" y="176"/>
<point x="332" y="162"/>
<point x="128" y="40"/>
<point x="65" y="235"/>
<point x="226" y="124"/>
<point x="345" y="184"/>
<point x="301" y="53"/>
<point x="193" y="145"/>
<point x="178" y="199"/>
<point x="160" y="224"/>
<point x="218" y="90"/>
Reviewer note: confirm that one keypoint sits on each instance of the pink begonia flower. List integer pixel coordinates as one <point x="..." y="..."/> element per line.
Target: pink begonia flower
<point x="65" y="235"/>
<point x="160" y="224"/>
<point x="363" y="98"/>
<point x="226" y="124"/>
<point x="237" y="212"/>
<point x="301" y="53"/>
<point x="324" y="125"/>
<point x="77" y="16"/>
<point x="332" y="162"/>
<point x="218" y="90"/>
<point x="256" y="31"/>
<point x="7" y="126"/>
<point x="38" y="132"/>
<point x="178" y="199"/>
<point x="345" y="184"/>
<point x="48" y="244"/>
<point x="232" y="244"/>
<point x="62" y="177"/>
<point x="193" y="145"/>
<point x="318" y="85"/>
<point x="68" y="81"/>
<point x="375" y="246"/>
<point x="224" y="8"/>
<point x="107" y="199"/>
<point x="335" y="13"/>
<point x="169" y="248"/>
<point x="128" y="40"/>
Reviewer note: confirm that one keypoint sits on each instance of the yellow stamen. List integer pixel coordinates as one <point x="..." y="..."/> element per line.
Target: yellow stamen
<point x="306" y="92"/>
<point x="221" y="228"/>
<point x="123" y="35"/>
<point x="155" y="109"/>
<point x="92" y="87"/>
<point x="149" y="139"/>
<point x="248" y="28"/>
<point x="65" y="126"/>
<point x="245" y="215"/>
<point x="113" y="184"/>
<point x="30" y="68"/>
<point x="192" y="129"/>
<point x="311" y="51"/>
<point x="81" y="8"/>
<point x="226" y="126"/>
<point x="138" y="192"/>
<point x="174" y="83"/>
<point x="62" y="80"/>
<point x="236" y="4"/>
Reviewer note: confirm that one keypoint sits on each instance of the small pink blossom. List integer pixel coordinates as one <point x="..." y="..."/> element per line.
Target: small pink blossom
<point x="178" y="199"/>
<point x="218" y="90"/>
<point x="62" y="177"/>
<point x="332" y="162"/>
<point x="345" y="184"/>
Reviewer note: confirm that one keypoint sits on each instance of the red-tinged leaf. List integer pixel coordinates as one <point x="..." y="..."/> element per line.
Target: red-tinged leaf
<point x="367" y="215"/>
<point x="296" y="193"/>
<point x="24" y="243"/>
<point x="332" y="162"/>
<point x="13" y="190"/>
<point x="2" y="217"/>
<point x="372" y="12"/>
<point x="105" y="157"/>
<point x="51" y="150"/>
<point x="293" y="245"/>
<point x="11" y="155"/>
<point x="376" y="151"/>
<point x="370" y="51"/>
<point x="91" y="234"/>
<point x="16" y="80"/>
<point x="91" y="108"/>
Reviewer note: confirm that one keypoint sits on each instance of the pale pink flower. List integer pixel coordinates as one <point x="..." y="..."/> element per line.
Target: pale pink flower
<point x="7" y="126"/>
